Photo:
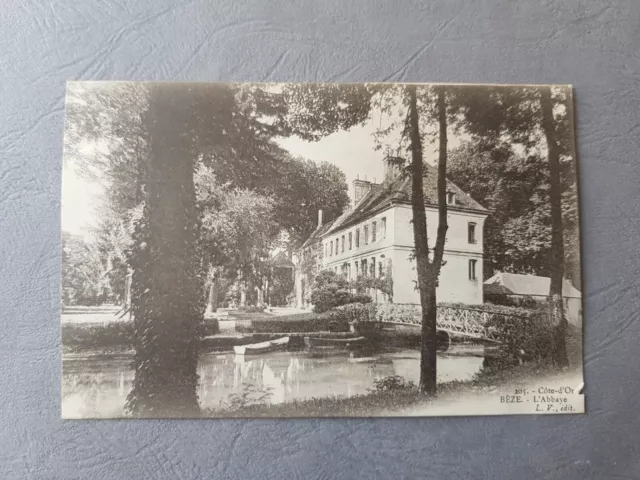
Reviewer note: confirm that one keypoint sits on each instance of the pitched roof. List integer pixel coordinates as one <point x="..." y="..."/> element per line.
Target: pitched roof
<point x="531" y="285"/>
<point x="318" y="232"/>
<point x="398" y="190"/>
<point x="281" y="260"/>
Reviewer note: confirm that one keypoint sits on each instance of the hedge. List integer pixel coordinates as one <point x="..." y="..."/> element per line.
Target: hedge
<point x="112" y="335"/>
<point x="300" y="322"/>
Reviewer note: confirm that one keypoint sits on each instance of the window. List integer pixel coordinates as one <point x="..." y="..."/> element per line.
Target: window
<point x="383" y="228"/>
<point x="373" y="267"/>
<point x="357" y="269"/>
<point x="350" y="240"/>
<point x="342" y="244"/>
<point x="363" y="268"/>
<point x="330" y="248"/>
<point x="471" y="232"/>
<point x="472" y="269"/>
<point x="366" y="234"/>
<point x="337" y="245"/>
<point x="357" y="238"/>
<point x="380" y="272"/>
<point x="451" y="198"/>
<point x="373" y="232"/>
<point x="348" y="271"/>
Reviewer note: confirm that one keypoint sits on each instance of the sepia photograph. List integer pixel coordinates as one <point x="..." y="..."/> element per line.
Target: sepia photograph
<point x="320" y="250"/>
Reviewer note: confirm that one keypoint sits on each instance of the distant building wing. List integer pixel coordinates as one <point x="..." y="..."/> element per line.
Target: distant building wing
<point x="525" y="285"/>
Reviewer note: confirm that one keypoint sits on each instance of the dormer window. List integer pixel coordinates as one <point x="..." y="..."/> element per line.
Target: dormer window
<point x="451" y="198"/>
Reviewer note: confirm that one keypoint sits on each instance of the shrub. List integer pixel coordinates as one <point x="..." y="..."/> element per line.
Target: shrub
<point x="331" y="290"/>
<point x="527" y="336"/>
<point x="211" y="327"/>
<point x="392" y="384"/>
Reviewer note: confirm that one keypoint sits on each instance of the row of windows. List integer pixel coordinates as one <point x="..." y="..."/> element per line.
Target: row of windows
<point x="378" y="231"/>
<point x="366" y="269"/>
<point x="338" y="245"/>
<point x="362" y="268"/>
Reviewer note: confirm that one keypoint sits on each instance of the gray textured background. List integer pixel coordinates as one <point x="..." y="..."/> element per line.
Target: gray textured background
<point x="592" y="44"/>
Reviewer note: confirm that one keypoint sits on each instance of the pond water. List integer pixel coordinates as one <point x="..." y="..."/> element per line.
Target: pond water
<point x="97" y="385"/>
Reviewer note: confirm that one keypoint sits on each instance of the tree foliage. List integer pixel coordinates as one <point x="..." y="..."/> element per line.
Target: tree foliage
<point x="239" y="229"/>
<point x="303" y="188"/>
<point x="83" y="274"/>
<point x="504" y="166"/>
<point x="233" y="130"/>
<point x="540" y="120"/>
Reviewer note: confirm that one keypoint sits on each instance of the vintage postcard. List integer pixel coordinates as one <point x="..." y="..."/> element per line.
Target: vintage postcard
<point x="320" y="250"/>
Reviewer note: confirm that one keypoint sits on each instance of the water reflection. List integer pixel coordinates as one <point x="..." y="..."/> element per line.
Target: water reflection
<point x="97" y="386"/>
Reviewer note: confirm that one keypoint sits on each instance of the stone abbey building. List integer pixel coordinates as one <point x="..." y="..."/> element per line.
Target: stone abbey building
<point x="374" y="237"/>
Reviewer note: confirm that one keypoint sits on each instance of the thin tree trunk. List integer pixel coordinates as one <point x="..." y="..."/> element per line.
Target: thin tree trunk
<point x="556" y="262"/>
<point x="243" y="293"/>
<point x="443" y="226"/>
<point x="259" y="295"/>
<point x="426" y="284"/>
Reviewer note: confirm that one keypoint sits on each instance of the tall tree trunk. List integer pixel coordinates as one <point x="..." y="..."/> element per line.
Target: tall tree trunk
<point x="212" y="297"/>
<point x="167" y="283"/>
<point x="426" y="282"/>
<point x="556" y="262"/>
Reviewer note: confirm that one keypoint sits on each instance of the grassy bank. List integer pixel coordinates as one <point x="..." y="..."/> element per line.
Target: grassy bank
<point x="110" y="337"/>
<point x="383" y="401"/>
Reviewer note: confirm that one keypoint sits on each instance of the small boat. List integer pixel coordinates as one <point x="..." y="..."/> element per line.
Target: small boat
<point x="262" y="347"/>
<point x="363" y="359"/>
<point x="331" y="342"/>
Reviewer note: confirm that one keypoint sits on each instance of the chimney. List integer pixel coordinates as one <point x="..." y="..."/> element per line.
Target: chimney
<point x="392" y="168"/>
<point x="319" y="218"/>
<point x="360" y="189"/>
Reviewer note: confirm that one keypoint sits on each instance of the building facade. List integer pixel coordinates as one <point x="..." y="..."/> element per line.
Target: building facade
<point x="374" y="238"/>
